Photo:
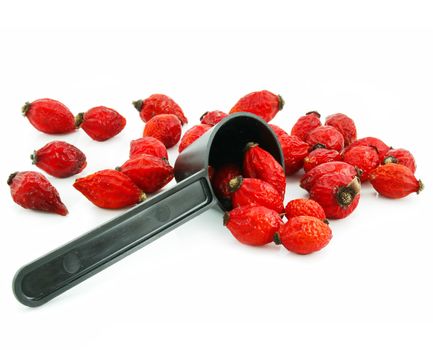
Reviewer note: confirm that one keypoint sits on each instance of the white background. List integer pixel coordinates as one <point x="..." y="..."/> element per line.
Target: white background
<point x="197" y="287"/>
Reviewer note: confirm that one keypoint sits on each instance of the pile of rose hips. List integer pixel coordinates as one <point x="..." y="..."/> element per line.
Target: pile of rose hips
<point x="335" y="163"/>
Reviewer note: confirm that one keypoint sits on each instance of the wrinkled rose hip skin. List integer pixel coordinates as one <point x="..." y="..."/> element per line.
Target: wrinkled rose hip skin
<point x="304" y="235"/>
<point x="305" y="124"/>
<point x="338" y="194"/>
<point x="380" y="146"/>
<point x="109" y="189"/>
<point x="304" y="207"/>
<point x="147" y="145"/>
<point x="247" y="191"/>
<point x="294" y="152"/>
<point x="364" y="158"/>
<point x="395" y="181"/>
<point x="32" y="190"/>
<point x="221" y="179"/>
<point x="325" y="137"/>
<point x="164" y="127"/>
<point x="253" y="225"/>
<point x="263" y="103"/>
<point x="49" y="116"/>
<point x="59" y="159"/>
<point x="148" y="172"/>
<point x="192" y="135"/>
<point x="100" y="123"/>
<point x="317" y="172"/>
<point x="260" y="164"/>
<point x="400" y="156"/>
<point x="320" y="156"/>
<point x="212" y="118"/>
<point x="345" y="125"/>
<point x="159" y="104"/>
<point x="278" y="131"/>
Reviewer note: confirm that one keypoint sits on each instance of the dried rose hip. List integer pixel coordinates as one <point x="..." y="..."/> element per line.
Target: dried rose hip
<point x="221" y="179"/>
<point x="320" y="156"/>
<point x="192" y="135"/>
<point x="147" y="145"/>
<point x="395" y="181"/>
<point x="260" y="164"/>
<point x="381" y="147"/>
<point x="109" y="189"/>
<point x="278" y="131"/>
<point x="325" y="137"/>
<point x="59" y="159"/>
<point x="305" y="124"/>
<point x="49" y="116"/>
<point x="100" y="123"/>
<point x="364" y="158"/>
<point x="164" y="127"/>
<point x="304" y="235"/>
<point x="32" y="190"/>
<point x="159" y="104"/>
<point x="247" y="191"/>
<point x="263" y="103"/>
<point x="294" y="151"/>
<point x="212" y="118"/>
<point x="148" y="172"/>
<point x="400" y="156"/>
<point x="338" y="194"/>
<point x="317" y="172"/>
<point x="306" y="207"/>
<point x="345" y="125"/>
<point x="253" y="225"/>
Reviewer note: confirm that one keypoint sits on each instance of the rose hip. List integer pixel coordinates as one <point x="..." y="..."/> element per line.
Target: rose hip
<point x="338" y="194"/>
<point x="221" y="179"/>
<point x="325" y="137"/>
<point x="400" y="156"/>
<point x="345" y="125"/>
<point x="364" y="158"/>
<point x="100" y="123"/>
<point x="247" y="191"/>
<point x="320" y="156"/>
<point x="253" y="225"/>
<point x="148" y="172"/>
<point x="294" y="152"/>
<point x="164" y="127"/>
<point x="304" y="207"/>
<point x="49" y="116"/>
<point x="260" y="164"/>
<point x="304" y="235"/>
<point x="263" y="103"/>
<point x="147" y="145"/>
<point x="395" y="181"/>
<point x="212" y="118"/>
<point x="32" y="190"/>
<point x="305" y="124"/>
<point x="109" y="189"/>
<point x="278" y="131"/>
<point x="317" y="172"/>
<point x="381" y="147"/>
<point x="159" y="104"/>
<point x="192" y="135"/>
<point x="59" y="159"/>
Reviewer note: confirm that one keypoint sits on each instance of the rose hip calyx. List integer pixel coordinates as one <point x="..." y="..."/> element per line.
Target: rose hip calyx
<point x="318" y="145"/>
<point x="281" y="102"/>
<point x="138" y="105"/>
<point x="346" y="194"/>
<point x="235" y="183"/>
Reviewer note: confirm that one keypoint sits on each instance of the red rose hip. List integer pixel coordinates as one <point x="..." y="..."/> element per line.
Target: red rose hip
<point x="253" y="225"/>
<point x="325" y="137"/>
<point x="32" y="190"/>
<point x="247" y="191"/>
<point x="306" y="207"/>
<point x="381" y="147"/>
<point x="320" y="156"/>
<point x="164" y="127"/>
<point x="345" y="125"/>
<point x="192" y="135"/>
<point x="263" y="103"/>
<point x="147" y="145"/>
<point x="49" y="116"/>
<point x="212" y="118"/>
<point x="100" y="123"/>
<point x="221" y="179"/>
<point x="395" y="181"/>
<point x="294" y="152"/>
<point x="59" y="159"/>
<point x="400" y="156"/>
<point x="305" y="124"/>
<point x="364" y="158"/>
<point x="159" y="104"/>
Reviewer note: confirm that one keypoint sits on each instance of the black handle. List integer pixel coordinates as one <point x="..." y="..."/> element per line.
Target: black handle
<point x="63" y="268"/>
